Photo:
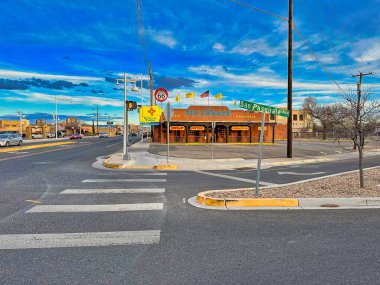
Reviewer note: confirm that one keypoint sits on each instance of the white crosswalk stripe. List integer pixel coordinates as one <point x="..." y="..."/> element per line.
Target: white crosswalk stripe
<point x="96" y="208"/>
<point x="124" y="180"/>
<point x="24" y="241"/>
<point x="114" y="191"/>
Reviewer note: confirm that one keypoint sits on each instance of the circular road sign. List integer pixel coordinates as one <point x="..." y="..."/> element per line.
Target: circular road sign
<point x="161" y="94"/>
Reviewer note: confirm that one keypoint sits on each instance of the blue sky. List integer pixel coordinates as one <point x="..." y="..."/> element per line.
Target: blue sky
<point x="75" y="49"/>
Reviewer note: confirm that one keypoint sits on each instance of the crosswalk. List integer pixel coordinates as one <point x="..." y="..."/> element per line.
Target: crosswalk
<point x="84" y="198"/>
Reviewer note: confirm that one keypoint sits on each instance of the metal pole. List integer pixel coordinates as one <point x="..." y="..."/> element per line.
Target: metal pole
<point x="290" y="82"/>
<point x="141" y="92"/>
<point x="260" y="154"/>
<point x="125" y="131"/>
<point x="167" y="134"/>
<point x="212" y="139"/>
<point x="20" y="113"/>
<point x="56" y="118"/>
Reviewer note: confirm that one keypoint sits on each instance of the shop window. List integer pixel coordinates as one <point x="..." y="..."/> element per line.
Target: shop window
<point x="301" y="117"/>
<point x="272" y="117"/>
<point x="294" y="117"/>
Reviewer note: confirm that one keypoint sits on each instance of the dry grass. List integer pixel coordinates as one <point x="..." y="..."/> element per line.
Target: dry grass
<point x="346" y="185"/>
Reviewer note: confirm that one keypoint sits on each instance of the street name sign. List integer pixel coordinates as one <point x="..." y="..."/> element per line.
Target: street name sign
<point x="263" y="108"/>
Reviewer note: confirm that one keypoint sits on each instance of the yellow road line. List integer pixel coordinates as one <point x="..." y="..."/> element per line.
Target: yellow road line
<point x="52" y="150"/>
<point x="11" y="149"/>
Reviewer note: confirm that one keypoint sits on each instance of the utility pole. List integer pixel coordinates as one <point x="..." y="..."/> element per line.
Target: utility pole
<point x="97" y="120"/>
<point x="358" y="130"/>
<point x="290" y="83"/>
<point x="20" y="114"/>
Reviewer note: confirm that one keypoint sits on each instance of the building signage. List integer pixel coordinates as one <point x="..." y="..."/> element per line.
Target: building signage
<point x="239" y="128"/>
<point x="264" y="109"/>
<point x="197" y="128"/>
<point x="177" y="128"/>
<point x="259" y="128"/>
<point x="150" y="114"/>
<point x="208" y="113"/>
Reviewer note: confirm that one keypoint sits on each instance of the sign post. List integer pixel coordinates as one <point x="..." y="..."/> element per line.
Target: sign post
<point x="212" y="139"/>
<point x="168" y="115"/>
<point x="263" y="109"/>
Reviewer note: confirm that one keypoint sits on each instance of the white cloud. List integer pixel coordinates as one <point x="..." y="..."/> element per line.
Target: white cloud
<point x="37" y="97"/>
<point x="164" y="37"/>
<point x="367" y="50"/>
<point x="218" y="47"/>
<point x="12" y="74"/>
<point x="324" y="58"/>
<point x="261" y="46"/>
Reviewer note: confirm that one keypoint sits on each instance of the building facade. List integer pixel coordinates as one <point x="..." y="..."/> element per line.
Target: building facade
<point x="194" y="125"/>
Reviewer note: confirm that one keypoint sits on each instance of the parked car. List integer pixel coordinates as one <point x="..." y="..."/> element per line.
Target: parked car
<point x="52" y="134"/>
<point x="76" y="137"/>
<point x="36" y="136"/>
<point x="10" y="139"/>
<point x="103" y="135"/>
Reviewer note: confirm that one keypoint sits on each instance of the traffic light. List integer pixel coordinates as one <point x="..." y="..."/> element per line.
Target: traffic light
<point x="132" y="105"/>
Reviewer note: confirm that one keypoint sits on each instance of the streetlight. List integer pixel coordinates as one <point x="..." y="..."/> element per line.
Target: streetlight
<point x="125" y="129"/>
<point x="19" y="113"/>
<point x="56" y="113"/>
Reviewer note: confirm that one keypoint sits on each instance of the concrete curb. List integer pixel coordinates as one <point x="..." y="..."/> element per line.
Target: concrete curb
<point x="161" y="166"/>
<point x="204" y="200"/>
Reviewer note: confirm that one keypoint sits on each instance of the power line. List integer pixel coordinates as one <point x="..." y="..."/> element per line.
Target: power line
<point x="258" y="9"/>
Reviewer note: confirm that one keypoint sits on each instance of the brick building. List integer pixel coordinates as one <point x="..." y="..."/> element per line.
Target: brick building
<point x="194" y="125"/>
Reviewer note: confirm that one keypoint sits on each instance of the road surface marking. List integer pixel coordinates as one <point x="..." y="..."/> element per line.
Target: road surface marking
<point x="154" y="173"/>
<point x="302" y="174"/>
<point x="34" y="201"/>
<point x="24" y="241"/>
<point x="113" y="191"/>
<point x="122" y="180"/>
<point x="235" y="178"/>
<point x="114" y="144"/>
<point x="96" y="208"/>
<point x="18" y="152"/>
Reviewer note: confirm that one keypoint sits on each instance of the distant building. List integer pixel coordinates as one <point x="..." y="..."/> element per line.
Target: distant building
<point x="13" y="125"/>
<point x="302" y="121"/>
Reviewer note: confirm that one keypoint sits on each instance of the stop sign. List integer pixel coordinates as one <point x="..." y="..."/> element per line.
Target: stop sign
<point x="161" y="94"/>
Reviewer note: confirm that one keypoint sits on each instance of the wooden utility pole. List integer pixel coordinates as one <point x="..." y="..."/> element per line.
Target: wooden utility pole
<point x="358" y="130"/>
<point x="290" y="83"/>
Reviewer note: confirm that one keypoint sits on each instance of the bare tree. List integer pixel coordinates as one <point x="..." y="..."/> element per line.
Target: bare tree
<point x="358" y="118"/>
<point x="325" y="114"/>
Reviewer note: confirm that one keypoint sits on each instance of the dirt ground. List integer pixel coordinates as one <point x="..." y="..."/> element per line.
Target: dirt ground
<point x="342" y="186"/>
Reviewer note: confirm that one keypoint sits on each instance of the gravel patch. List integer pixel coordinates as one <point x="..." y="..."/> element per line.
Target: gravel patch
<point x="342" y="186"/>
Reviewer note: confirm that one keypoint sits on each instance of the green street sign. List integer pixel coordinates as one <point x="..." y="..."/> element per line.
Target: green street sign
<point x="263" y="108"/>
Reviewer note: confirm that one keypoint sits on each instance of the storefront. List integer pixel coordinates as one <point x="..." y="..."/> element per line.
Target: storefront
<point x="194" y="125"/>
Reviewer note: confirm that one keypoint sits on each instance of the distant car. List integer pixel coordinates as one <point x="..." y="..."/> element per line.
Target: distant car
<point x="76" y="137"/>
<point x="103" y="135"/>
<point x="36" y="136"/>
<point x="10" y="139"/>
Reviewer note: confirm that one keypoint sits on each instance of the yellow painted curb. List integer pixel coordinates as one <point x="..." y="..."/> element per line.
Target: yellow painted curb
<point x="137" y="167"/>
<point x="166" y="167"/>
<point x="10" y="149"/>
<point x="203" y="199"/>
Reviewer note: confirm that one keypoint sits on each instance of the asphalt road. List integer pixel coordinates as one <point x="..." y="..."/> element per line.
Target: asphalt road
<point x="161" y="239"/>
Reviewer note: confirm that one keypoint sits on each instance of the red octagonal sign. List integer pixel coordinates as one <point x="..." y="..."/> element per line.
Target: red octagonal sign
<point x="161" y="94"/>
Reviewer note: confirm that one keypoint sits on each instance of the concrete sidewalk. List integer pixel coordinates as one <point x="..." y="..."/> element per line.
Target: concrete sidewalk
<point x="140" y="158"/>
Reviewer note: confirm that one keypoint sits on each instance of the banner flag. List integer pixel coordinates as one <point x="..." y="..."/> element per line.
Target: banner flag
<point x="205" y="94"/>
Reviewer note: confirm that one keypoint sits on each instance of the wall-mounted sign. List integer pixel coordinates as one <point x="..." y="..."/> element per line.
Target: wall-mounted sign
<point x="150" y="114"/>
<point x="239" y="128"/>
<point x="177" y="128"/>
<point x="265" y="128"/>
<point x="197" y="128"/>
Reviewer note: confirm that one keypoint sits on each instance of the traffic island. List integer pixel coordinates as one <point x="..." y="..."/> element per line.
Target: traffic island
<point x="332" y="192"/>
